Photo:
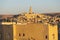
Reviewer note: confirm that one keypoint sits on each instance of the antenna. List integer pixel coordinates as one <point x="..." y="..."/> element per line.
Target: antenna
<point x="30" y="2"/>
<point x="30" y="10"/>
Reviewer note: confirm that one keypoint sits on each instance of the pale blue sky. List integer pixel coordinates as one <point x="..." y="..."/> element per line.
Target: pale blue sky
<point x="41" y="6"/>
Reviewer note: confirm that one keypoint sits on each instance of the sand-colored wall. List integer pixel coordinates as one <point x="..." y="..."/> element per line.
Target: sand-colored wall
<point x="34" y="31"/>
<point x="53" y="32"/>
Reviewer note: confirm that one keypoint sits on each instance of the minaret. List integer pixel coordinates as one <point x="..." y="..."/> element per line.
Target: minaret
<point x="30" y="10"/>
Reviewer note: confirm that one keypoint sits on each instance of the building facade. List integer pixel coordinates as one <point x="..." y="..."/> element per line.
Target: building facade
<point x="28" y="31"/>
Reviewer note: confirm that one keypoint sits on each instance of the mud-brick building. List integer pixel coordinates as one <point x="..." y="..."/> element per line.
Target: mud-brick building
<point x="28" y="31"/>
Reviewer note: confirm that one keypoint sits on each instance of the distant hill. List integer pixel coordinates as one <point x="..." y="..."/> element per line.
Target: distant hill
<point x="47" y="14"/>
<point x="52" y="14"/>
<point x="5" y="16"/>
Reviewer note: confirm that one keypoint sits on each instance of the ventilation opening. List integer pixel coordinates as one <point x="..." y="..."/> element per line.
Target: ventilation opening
<point x="19" y="34"/>
<point x="53" y="36"/>
<point x="23" y="34"/>
<point x="46" y="36"/>
<point x="32" y="38"/>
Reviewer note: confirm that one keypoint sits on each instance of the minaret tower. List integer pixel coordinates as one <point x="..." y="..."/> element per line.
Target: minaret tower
<point x="30" y="10"/>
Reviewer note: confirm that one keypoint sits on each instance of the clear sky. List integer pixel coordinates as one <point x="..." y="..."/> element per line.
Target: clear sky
<point x="41" y="6"/>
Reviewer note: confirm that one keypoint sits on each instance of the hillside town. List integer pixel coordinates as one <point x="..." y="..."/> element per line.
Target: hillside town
<point x="30" y="26"/>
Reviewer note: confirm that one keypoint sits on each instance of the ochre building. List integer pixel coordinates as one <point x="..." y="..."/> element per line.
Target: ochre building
<point x="28" y="31"/>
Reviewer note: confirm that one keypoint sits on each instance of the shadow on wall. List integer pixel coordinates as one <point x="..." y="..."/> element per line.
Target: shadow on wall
<point x="59" y="31"/>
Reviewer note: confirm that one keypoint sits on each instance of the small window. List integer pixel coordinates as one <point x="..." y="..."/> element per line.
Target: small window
<point x="19" y="34"/>
<point x="46" y="36"/>
<point x="23" y="34"/>
<point x="53" y="36"/>
<point x="32" y="38"/>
